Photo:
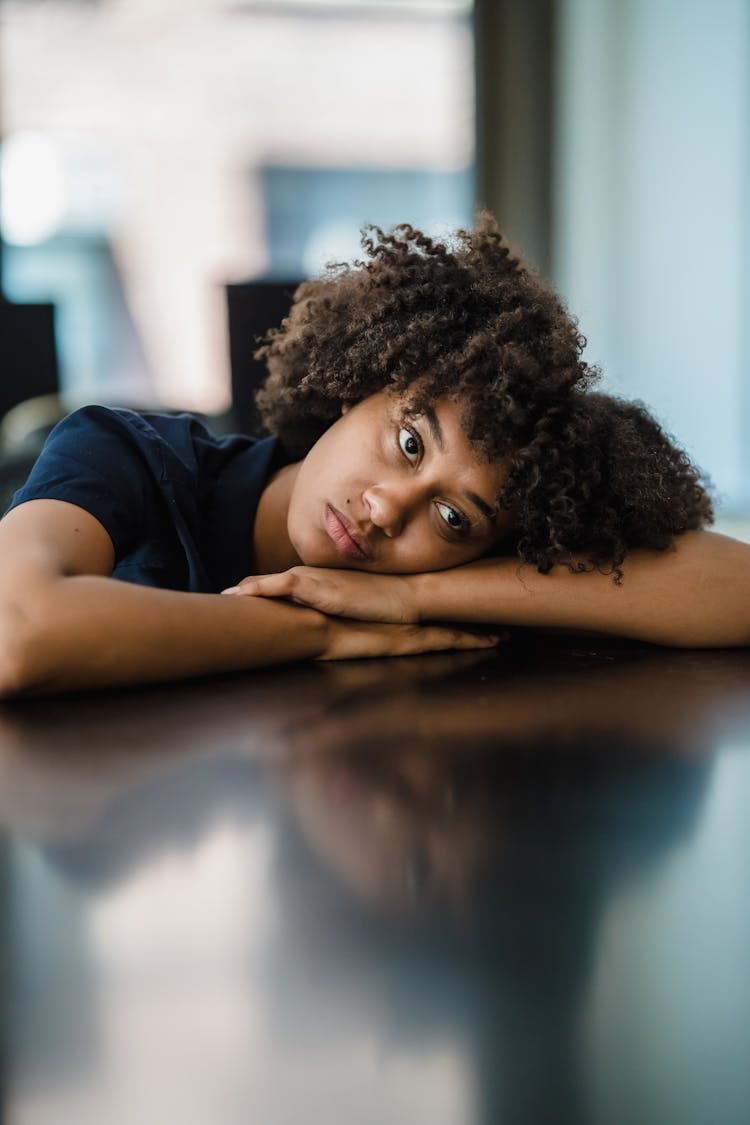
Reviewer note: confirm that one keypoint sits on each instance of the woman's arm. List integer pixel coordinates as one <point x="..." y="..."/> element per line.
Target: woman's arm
<point x="695" y="594"/>
<point x="66" y="624"/>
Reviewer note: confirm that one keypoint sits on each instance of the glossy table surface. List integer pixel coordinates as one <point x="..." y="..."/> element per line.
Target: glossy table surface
<point x="456" y="889"/>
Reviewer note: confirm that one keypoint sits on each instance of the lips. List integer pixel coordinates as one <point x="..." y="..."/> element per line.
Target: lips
<point x="345" y="536"/>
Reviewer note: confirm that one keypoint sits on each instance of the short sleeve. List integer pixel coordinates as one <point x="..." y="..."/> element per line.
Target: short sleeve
<point x="97" y="459"/>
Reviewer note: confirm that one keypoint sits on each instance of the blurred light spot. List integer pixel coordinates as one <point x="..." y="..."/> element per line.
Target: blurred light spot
<point x="34" y="197"/>
<point x="334" y="241"/>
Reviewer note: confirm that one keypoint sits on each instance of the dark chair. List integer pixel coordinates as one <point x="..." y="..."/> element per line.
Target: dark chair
<point x="253" y="307"/>
<point x="28" y="357"/>
<point x="29" y="375"/>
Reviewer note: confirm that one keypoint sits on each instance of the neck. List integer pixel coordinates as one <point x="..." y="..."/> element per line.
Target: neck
<point x="272" y="549"/>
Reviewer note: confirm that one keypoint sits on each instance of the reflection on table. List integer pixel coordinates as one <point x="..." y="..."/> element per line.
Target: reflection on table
<point x="466" y="889"/>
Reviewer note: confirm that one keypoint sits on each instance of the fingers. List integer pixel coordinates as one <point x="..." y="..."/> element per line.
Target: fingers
<point x="280" y="585"/>
<point x="438" y="638"/>
<point x="351" y="640"/>
<point x="248" y="586"/>
<point x="302" y="585"/>
<point x="338" y="593"/>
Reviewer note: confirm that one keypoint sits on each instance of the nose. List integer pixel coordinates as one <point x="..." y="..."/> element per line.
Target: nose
<point x="388" y="508"/>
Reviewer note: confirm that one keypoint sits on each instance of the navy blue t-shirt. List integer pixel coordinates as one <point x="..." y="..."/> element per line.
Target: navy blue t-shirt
<point x="178" y="503"/>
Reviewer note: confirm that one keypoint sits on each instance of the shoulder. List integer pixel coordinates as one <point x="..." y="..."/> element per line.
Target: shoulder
<point x="111" y="437"/>
<point x="111" y="463"/>
<point x="132" y="425"/>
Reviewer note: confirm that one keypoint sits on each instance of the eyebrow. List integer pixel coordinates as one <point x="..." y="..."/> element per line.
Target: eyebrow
<point x="434" y="423"/>
<point x="437" y="436"/>
<point x="484" y="508"/>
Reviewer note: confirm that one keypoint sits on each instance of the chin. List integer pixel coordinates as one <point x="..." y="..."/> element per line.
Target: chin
<point x="312" y="552"/>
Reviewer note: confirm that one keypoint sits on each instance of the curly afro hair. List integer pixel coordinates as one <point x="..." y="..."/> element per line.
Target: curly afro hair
<point x="591" y="476"/>
<point x="599" y="479"/>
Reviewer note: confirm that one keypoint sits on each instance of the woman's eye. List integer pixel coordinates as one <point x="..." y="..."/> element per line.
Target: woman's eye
<point x="455" y="520"/>
<point x="409" y="443"/>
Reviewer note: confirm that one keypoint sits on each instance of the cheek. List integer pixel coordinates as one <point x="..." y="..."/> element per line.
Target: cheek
<point x="439" y="554"/>
<point x="299" y="520"/>
<point x="423" y="549"/>
<point x="306" y="538"/>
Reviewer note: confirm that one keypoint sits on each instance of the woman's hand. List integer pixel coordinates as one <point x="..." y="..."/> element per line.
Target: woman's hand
<point x="339" y="593"/>
<point x="370" y="614"/>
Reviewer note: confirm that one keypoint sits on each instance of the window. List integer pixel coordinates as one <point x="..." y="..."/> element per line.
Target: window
<point x="175" y="147"/>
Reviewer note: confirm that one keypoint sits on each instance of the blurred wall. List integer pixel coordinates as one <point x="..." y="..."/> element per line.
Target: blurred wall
<point x="651" y="221"/>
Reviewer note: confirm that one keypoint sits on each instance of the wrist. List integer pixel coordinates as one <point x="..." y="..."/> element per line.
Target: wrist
<point x="484" y="592"/>
<point x="289" y="632"/>
<point x="421" y="601"/>
<point x="317" y="629"/>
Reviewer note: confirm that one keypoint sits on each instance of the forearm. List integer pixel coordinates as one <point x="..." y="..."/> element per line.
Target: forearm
<point x="89" y="631"/>
<point x="697" y="594"/>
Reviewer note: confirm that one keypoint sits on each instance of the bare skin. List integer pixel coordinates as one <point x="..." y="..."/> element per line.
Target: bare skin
<point x="66" y="624"/>
<point x="379" y="533"/>
<point x="694" y="595"/>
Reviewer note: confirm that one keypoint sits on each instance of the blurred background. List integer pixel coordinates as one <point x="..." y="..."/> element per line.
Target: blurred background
<point x="157" y="153"/>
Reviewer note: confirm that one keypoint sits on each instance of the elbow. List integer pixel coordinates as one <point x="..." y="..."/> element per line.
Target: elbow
<point x="15" y="677"/>
<point x="11" y="682"/>
<point x="28" y="608"/>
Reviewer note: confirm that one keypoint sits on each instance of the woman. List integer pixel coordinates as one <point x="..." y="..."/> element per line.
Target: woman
<point x="441" y="460"/>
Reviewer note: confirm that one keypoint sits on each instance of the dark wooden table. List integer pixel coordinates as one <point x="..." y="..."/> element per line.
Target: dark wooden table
<point x="458" y="889"/>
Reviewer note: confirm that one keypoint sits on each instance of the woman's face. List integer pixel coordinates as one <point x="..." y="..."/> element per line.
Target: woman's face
<point x="387" y="490"/>
<point x="395" y="832"/>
